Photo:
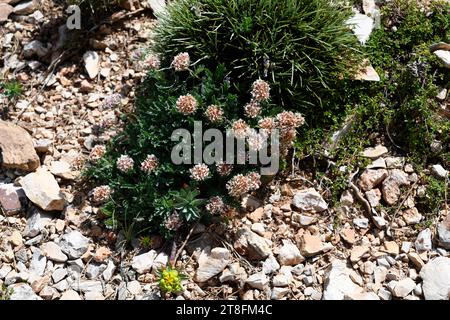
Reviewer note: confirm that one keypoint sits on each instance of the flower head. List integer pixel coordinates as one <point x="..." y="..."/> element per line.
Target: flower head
<point x="255" y="140"/>
<point x="215" y="205"/>
<point x="199" y="172"/>
<point x="267" y="124"/>
<point x="152" y="61"/>
<point x="260" y="90"/>
<point x="238" y="185"/>
<point x="181" y="62"/>
<point x="97" y="152"/>
<point x="125" y="163"/>
<point x="224" y="169"/>
<point x="112" y="100"/>
<point x="240" y="129"/>
<point x="186" y="104"/>
<point x="101" y="194"/>
<point x="255" y="180"/>
<point x="149" y="164"/>
<point x="289" y="119"/>
<point x="214" y="113"/>
<point x="252" y="109"/>
<point x="173" y="222"/>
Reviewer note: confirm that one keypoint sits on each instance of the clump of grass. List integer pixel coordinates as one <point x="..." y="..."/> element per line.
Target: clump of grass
<point x="11" y="89"/>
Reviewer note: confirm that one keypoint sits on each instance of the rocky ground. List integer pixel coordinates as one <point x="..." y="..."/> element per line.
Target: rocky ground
<point x="291" y="244"/>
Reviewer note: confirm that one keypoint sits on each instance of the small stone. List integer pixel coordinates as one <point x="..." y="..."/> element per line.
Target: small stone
<point x="234" y="273"/>
<point x="368" y="267"/>
<point x="258" y="228"/>
<point x="443" y="233"/>
<point x="279" y="293"/>
<point x="337" y="283"/>
<point x="38" y="263"/>
<point x="270" y="265"/>
<point x="411" y="216"/>
<point x="62" y="169"/>
<point x="374" y="153"/>
<point x="372" y="178"/>
<point x="403" y="288"/>
<point x="94" y="269"/>
<point x="143" y="263"/>
<point x="390" y="247"/>
<point x="109" y="271"/>
<point x="211" y="263"/>
<point x="17" y="149"/>
<point x="436" y="279"/>
<point x="442" y="94"/>
<point x="94" y="295"/>
<point x="53" y="252"/>
<point x="361" y="26"/>
<point x="70" y="295"/>
<point x="289" y="254"/>
<point x="101" y="254"/>
<point x="5" y="11"/>
<point x="36" y="223"/>
<point x="309" y="200"/>
<point x="379" y="222"/>
<point x="250" y="244"/>
<point x="362" y="223"/>
<point x="367" y="73"/>
<point x="303" y="220"/>
<point x="91" y="63"/>
<point x="26" y="7"/>
<point x="310" y="245"/>
<point x="43" y="190"/>
<point x="74" y="244"/>
<point x="48" y="293"/>
<point x="391" y="186"/>
<point x="423" y="241"/>
<point x="444" y="56"/>
<point x="59" y="274"/>
<point x="16" y="239"/>
<point x="377" y="164"/>
<point x="395" y="162"/>
<point x="256" y="215"/>
<point x="158" y="6"/>
<point x="384" y="294"/>
<point x="438" y="171"/>
<point x="134" y="287"/>
<point x="358" y="252"/>
<point x="406" y="246"/>
<point x="11" y="198"/>
<point x="349" y="235"/>
<point x="374" y="197"/>
<point x="257" y="281"/>
<point x="87" y="286"/>
<point x="22" y="291"/>
<point x="281" y="280"/>
<point x="361" y="296"/>
<point x="347" y="198"/>
<point x="34" y="48"/>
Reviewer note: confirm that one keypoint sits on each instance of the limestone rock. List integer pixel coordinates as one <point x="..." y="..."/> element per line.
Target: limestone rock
<point x="309" y="200"/>
<point x="74" y="244"/>
<point x="289" y="254"/>
<point x="311" y="245"/>
<point x="370" y="178"/>
<point x="5" y="11"/>
<point x="444" y="56"/>
<point x="250" y="244"/>
<point x="436" y="279"/>
<point x="211" y="263"/>
<point x="11" y="198"/>
<point x="443" y="231"/>
<point x="338" y="283"/>
<point x="53" y="252"/>
<point x="91" y="63"/>
<point x="43" y="190"/>
<point x="143" y="263"/>
<point x="17" y="149"/>
<point x="375" y="152"/>
<point x="22" y="291"/>
<point x="361" y="26"/>
<point x="26" y="7"/>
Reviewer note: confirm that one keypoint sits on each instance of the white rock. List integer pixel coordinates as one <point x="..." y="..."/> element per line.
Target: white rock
<point x="59" y="274"/>
<point x="361" y="26"/>
<point x="109" y="271"/>
<point x="279" y="293"/>
<point x="367" y="73"/>
<point x="22" y="291"/>
<point x="338" y="283"/>
<point x="436" y="279"/>
<point x="91" y="63"/>
<point x="93" y="295"/>
<point x="362" y="223"/>
<point x="377" y="164"/>
<point x="26" y="7"/>
<point x="444" y="56"/>
<point x="70" y="295"/>
<point x="270" y="265"/>
<point x="309" y="200"/>
<point x="53" y="252"/>
<point x="374" y="153"/>
<point x="369" y="6"/>
<point x="143" y="263"/>
<point x="43" y="190"/>
<point x="423" y="241"/>
<point x="134" y="287"/>
<point x="443" y="232"/>
<point x="38" y="263"/>
<point x="289" y="254"/>
<point x="36" y="223"/>
<point x="404" y="287"/>
<point x="438" y="171"/>
<point x="257" y="281"/>
<point x="87" y="286"/>
<point x="160" y="262"/>
<point x="211" y="263"/>
<point x="158" y="6"/>
<point x="74" y="244"/>
<point x="35" y="47"/>
<point x="384" y="294"/>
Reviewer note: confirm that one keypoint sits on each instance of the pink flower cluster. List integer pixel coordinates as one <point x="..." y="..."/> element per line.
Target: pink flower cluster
<point x="241" y="184"/>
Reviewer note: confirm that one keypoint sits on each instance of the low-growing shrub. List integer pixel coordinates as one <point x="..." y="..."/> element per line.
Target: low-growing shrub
<point x="93" y="7"/>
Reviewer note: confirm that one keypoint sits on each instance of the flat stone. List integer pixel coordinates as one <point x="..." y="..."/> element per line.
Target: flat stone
<point x="93" y="295"/>
<point x="43" y="190"/>
<point x="361" y="296"/>
<point x="391" y="186"/>
<point x="361" y="26"/>
<point x="17" y="149"/>
<point x="109" y="271"/>
<point x="11" y="198"/>
<point x="91" y="63"/>
<point x="36" y="223"/>
<point x="250" y="244"/>
<point x="53" y="252"/>
<point x="362" y="223"/>
<point x="367" y="73"/>
<point x="74" y="244"/>
<point x="443" y="233"/>
<point x="309" y="200"/>
<point x="377" y="164"/>
<point x="439" y="171"/>
<point x="411" y="216"/>
<point x="271" y="265"/>
<point x="337" y="282"/>
<point x="87" y="286"/>
<point x="374" y="197"/>
<point x="289" y="254"/>
<point x="38" y="263"/>
<point x="59" y="274"/>
<point x="26" y="7"/>
<point x="371" y="178"/>
<point x="310" y="245"/>
<point x="303" y="220"/>
<point x="375" y="152"/>
<point x="348" y="235"/>
<point x="234" y="273"/>
<point x="444" y="56"/>
<point x="22" y="291"/>
<point x="358" y="252"/>
<point x="257" y="281"/>
<point x="34" y="48"/>
<point x="5" y="11"/>
<point x="390" y="247"/>
<point x="423" y="241"/>
<point x="403" y="288"/>
<point x="63" y="170"/>
<point x="143" y="263"/>
<point x="436" y="279"/>
<point x="70" y="295"/>
<point x="211" y="263"/>
<point x="279" y="293"/>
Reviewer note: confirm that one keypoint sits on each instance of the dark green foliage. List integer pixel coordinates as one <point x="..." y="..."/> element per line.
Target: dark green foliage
<point x="93" y="7"/>
<point x="302" y="47"/>
<point x="11" y="89"/>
